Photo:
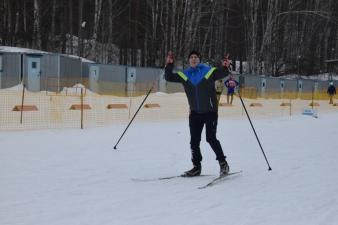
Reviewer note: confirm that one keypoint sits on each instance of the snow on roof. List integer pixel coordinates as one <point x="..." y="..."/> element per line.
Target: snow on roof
<point x="319" y="77"/>
<point x="19" y="50"/>
<point x="35" y="51"/>
<point x="78" y="57"/>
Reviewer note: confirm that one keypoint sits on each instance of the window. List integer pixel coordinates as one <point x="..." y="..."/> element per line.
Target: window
<point x="33" y="65"/>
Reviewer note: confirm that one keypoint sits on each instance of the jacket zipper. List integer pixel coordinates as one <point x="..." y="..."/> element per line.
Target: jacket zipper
<point x="196" y="94"/>
<point x="197" y="102"/>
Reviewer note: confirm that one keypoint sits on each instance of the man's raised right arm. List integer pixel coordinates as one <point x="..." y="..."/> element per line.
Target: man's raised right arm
<point x="169" y="75"/>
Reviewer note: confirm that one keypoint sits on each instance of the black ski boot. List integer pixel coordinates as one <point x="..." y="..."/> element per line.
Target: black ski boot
<point x="224" y="168"/>
<point x="195" y="171"/>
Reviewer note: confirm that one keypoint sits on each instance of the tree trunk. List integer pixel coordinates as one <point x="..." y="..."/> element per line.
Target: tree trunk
<point x="97" y="16"/>
<point x="254" y="40"/>
<point x="80" y="30"/>
<point x="110" y="31"/>
<point x="25" y="29"/>
<point x="9" y="23"/>
<point x="51" y="38"/>
<point x="70" y="21"/>
<point x="36" y="26"/>
<point x="63" y="31"/>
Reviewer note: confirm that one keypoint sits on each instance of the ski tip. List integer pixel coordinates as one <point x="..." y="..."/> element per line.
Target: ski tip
<point x="234" y="172"/>
<point x="221" y="177"/>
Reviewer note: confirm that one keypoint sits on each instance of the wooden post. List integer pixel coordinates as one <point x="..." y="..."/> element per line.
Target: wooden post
<point x="129" y="107"/>
<point x="22" y="102"/>
<point x="312" y="97"/>
<point x="81" y="108"/>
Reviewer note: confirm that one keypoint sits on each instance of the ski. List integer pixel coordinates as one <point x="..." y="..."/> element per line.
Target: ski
<point x="166" y="178"/>
<point x="219" y="179"/>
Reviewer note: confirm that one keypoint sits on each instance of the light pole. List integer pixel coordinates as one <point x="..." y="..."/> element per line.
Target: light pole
<point x="83" y="25"/>
<point x="298" y="60"/>
<point x="332" y="57"/>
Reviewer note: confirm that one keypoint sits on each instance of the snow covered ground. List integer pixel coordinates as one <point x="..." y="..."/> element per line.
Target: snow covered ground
<point x="74" y="177"/>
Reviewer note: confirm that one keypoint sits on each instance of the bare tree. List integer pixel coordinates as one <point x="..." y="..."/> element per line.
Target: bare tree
<point x="271" y="34"/>
<point x="36" y="26"/>
<point x="110" y="31"/>
<point x="70" y="22"/>
<point x="81" y="26"/>
<point x="53" y="27"/>
<point x="97" y="17"/>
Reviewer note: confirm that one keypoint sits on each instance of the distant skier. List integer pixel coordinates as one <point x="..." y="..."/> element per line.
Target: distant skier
<point x="219" y="90"/>
<point x="199" y="85"/>
<point x="231" y="84"/>
<point x="331" y="91"/>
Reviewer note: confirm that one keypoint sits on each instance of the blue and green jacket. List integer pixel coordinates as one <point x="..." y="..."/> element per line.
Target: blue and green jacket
<point x="199" y="85"/>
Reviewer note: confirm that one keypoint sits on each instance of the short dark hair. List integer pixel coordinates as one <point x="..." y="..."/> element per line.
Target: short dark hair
<point x="194" y="52"/>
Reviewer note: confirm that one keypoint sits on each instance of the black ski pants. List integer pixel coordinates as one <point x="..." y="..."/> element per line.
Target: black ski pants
<point x="196" y="124"/>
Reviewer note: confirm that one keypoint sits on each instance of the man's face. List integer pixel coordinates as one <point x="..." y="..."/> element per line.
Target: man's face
<point x="194" y="60"/>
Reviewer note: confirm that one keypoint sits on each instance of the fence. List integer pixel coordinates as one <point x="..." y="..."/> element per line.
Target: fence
<point x="78" y="107"/>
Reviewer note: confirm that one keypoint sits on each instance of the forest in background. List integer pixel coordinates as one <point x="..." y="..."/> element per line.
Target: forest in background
<point x="273" y="36"/>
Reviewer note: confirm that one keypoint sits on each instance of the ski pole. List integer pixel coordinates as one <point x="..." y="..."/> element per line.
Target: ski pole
<point x="171" y="56"/>
<point x="247" y="114"/>
<point x="135" y="114"/>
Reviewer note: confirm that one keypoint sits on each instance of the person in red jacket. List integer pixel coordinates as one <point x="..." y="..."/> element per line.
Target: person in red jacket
<point x="231" y="84"/>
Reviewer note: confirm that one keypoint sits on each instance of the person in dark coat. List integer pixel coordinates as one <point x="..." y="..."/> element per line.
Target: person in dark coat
<point x="199" y="84"/>
<point x="331" y="91"/>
